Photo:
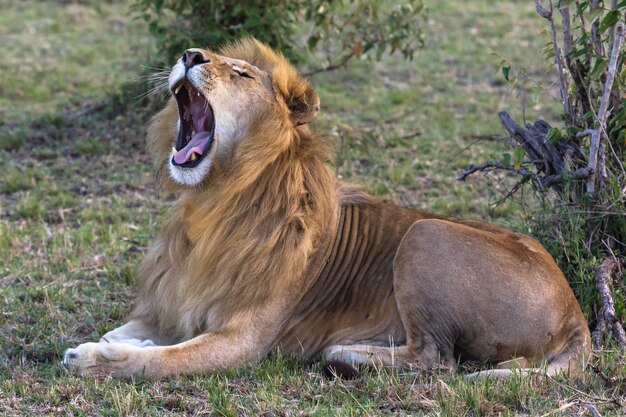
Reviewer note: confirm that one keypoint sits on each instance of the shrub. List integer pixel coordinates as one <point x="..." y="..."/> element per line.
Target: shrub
<point x="357" y="28"/>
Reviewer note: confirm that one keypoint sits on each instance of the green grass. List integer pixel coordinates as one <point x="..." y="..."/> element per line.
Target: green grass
<point x="59" y="56"/>
<point x="78" y="207"/>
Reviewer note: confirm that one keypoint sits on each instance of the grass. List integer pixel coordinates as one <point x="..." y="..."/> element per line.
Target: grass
<point x="78" y="207"/>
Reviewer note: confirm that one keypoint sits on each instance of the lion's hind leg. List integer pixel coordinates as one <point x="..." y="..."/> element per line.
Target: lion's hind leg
<point x="570" y="362"/>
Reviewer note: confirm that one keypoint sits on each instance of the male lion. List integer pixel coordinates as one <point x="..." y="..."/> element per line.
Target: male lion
<point x="264" y="248"/>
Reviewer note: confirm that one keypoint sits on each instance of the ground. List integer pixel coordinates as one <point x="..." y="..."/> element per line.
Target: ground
<point x="79" y="205"/>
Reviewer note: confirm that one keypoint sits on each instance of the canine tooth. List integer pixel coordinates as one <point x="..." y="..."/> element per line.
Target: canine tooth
<point x="177" y="89"/>
<point x="174" y="150"/>
<point x="193" y="157"/>
<point x="197" y="93"/>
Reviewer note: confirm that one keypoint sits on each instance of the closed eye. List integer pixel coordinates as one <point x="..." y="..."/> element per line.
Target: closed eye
<point x="242" y="73"/>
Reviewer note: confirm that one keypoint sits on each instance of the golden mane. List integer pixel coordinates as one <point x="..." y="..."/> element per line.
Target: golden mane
<point x="255" y="220"/>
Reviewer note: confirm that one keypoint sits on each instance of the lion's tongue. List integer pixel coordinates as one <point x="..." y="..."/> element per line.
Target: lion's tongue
<point x="198" y="144"/>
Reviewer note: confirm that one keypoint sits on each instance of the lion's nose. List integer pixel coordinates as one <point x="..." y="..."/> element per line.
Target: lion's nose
<point x="192" y="57"/>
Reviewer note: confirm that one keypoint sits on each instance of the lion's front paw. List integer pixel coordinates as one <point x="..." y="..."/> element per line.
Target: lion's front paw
<point x="101" y="359"/>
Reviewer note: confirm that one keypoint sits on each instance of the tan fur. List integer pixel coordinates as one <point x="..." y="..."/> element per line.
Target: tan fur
<point x="270" y="250"/>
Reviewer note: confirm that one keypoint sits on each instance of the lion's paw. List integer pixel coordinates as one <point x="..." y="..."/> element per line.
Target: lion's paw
<point x="100" y="359"/>
<point x="347" y="354"/>
<point x="359" y="354"/>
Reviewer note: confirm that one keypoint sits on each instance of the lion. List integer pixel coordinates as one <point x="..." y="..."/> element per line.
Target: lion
<point x="264" y="248"/>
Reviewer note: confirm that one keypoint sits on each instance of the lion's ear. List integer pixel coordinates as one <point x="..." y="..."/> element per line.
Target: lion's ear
<point x="304" y="107"/>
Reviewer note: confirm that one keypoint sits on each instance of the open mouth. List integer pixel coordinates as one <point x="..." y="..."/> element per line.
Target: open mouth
<point x="197" y="126"/>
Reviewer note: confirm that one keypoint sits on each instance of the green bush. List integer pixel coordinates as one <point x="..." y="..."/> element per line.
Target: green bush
<point x="296" y="27"/>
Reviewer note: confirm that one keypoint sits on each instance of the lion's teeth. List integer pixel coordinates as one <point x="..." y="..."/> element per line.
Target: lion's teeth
<point x="174" y="150"/>
<point x="177" y="89"/>
<point x="193" y="157"/>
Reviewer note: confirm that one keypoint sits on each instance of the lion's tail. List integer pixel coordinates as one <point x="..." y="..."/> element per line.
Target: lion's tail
<point x="571" y="361"/>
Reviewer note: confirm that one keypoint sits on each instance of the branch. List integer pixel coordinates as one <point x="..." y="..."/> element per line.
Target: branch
<point x="85" y="111"/>
<point x="603" y="284"/>
<point x="548" y="158"/>
<point x="579" y="174"/>
<point x="612" y="28"/>
<point x="541" y="153"/>
<point x="331" y="67"/>
<point x="542" y="182"/>
<point x="604" y="104"/>
<point x="568" y="39"/>
<point x="487" y="166"/>
<point x="596" y="39"/>
<point x="558" y="59"/>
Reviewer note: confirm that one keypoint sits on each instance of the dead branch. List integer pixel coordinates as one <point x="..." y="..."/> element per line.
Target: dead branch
<point x="579" y="174"/>
<point x="543" y="154"/>
<point x="554" y="163"/>
<point x="489" y="166"/>
<point x="607" y="312"/>
<point x="600" y="130"/>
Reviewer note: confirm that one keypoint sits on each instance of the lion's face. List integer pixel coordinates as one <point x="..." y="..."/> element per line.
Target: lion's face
<point x="218" y="99"/>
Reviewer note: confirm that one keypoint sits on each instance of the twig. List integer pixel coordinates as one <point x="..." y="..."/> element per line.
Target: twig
<point x="331" y="67"/>
<point x="491" y="165"/>
<point x="584" y="133"/>
<point x="604" y="104"/>
<point x="607" y="379"/>
<point x="603" y="284"/>
<point x="511" y="192"/>
<point x="543" y="182"/>
<point x="95" y="108"/>
<point x="593" y="410"/>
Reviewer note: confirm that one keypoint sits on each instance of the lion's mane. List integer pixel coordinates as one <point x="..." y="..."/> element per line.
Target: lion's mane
<point x="253" y="226"/>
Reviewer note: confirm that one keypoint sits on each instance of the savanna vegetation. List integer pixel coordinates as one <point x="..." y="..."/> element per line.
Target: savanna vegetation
<point x="79" y="204"/>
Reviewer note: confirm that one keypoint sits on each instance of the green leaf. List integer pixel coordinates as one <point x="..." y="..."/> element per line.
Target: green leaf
<point x="506" y="159"/>
<point x="578" y="52"/>
<point x="595" y="14"/>
<point x="609" y="20"/>
<point x="505" y="71"/>
<point x="553" y="135"/>
<point x="598" y="68"/>
<point x="518" y="157"/>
